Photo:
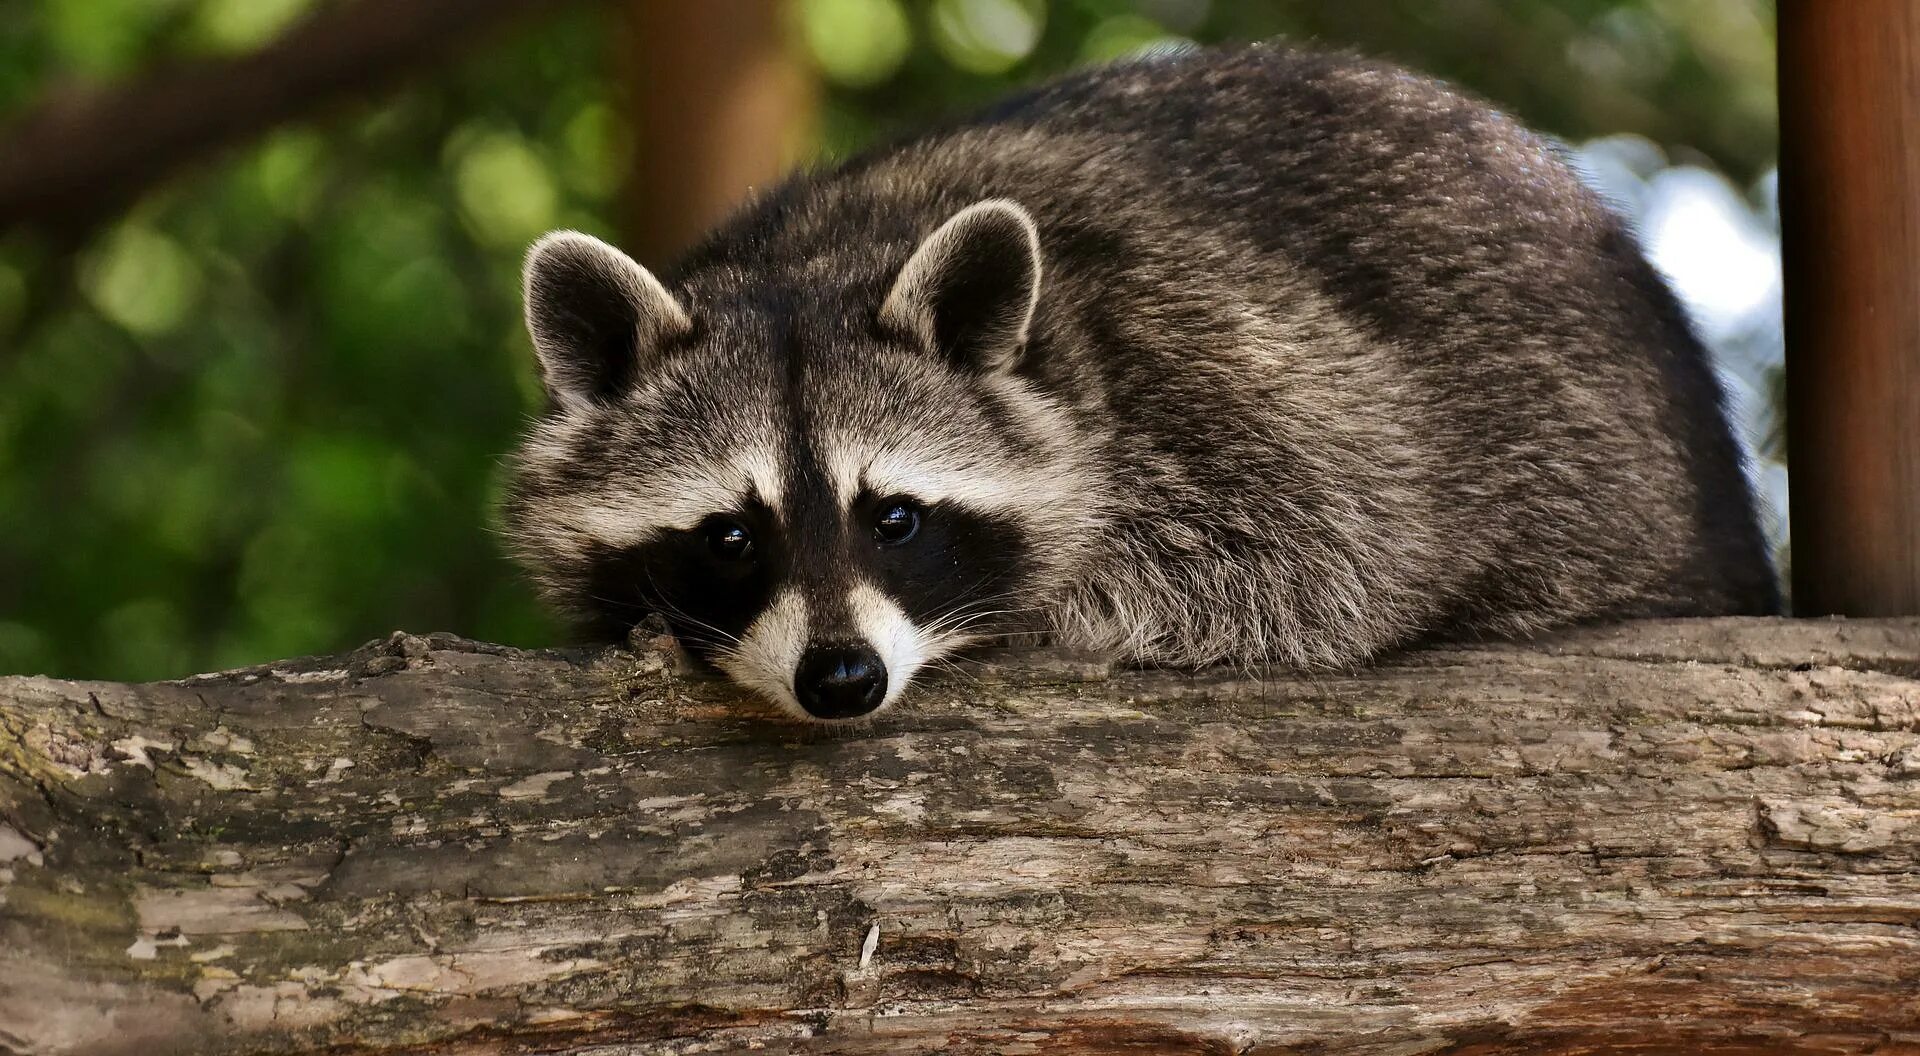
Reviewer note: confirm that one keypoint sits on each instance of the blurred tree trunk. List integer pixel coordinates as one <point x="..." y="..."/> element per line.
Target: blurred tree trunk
<point x="1850" y="214"/>
<point x="723" y="103"/>
<point x="1675" y="837"/>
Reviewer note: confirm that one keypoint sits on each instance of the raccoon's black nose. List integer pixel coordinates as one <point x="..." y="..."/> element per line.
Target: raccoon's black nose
<point x="837" y="682"/>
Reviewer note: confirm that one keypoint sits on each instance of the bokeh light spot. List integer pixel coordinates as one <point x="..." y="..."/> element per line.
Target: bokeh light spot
<point x="142" y="280"/>
<point x="242" y="25"/>
<point x="507" y="195"/>
<point x="857" y="43"/>
<point x="987" y="36"/>
<point x="289" y="169"/>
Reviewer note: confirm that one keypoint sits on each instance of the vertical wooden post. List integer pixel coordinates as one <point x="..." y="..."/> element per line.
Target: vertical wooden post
<point x="722" y="103"/>
<point x="1850" y="207"/>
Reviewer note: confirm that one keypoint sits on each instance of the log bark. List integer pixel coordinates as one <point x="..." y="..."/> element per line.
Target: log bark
<point x="1686" y="836"/>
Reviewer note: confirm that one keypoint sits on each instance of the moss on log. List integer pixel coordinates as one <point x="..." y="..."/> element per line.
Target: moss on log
<point x="1690" y="836"/>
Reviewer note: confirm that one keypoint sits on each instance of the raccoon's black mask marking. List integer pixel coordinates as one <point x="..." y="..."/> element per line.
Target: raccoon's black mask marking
<point x="959" y="568"/>
<point x="708" y="599"/>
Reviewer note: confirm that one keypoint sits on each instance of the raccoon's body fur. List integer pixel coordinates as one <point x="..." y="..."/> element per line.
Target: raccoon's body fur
<point x="1258" y="355"/>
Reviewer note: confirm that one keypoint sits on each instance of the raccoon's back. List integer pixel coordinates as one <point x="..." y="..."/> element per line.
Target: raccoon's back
<point x="1535" y="342"/>
<point x="1331" y="308"/>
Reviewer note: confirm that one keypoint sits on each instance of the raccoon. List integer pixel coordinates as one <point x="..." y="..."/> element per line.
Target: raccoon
<point x="1252" y="355"/>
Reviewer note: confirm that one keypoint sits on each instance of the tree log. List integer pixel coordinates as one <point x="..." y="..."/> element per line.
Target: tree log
<point x="1684" y="836"/>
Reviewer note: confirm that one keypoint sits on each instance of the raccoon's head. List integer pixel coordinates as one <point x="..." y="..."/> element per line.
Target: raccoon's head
<point x="821" y="481"/>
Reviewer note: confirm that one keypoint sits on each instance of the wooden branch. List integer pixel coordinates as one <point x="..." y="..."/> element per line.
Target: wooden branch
<point x="1850" y="214"/>
<point x="78" y="158"/>
<point x="1698" y="837"/>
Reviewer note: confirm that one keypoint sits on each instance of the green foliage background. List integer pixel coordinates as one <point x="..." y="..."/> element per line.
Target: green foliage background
<point x="261" y="414"/>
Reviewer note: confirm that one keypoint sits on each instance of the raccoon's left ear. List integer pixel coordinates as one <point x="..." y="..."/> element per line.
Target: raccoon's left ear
<point x="595" y="315"/>
<point x="970" y="289"/>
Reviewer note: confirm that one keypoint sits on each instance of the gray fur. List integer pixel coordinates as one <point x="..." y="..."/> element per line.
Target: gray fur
<point x="1326" y="359"/>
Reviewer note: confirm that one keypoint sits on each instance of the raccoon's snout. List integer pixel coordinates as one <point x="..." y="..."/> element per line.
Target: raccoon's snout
<point x="840" y="682"/>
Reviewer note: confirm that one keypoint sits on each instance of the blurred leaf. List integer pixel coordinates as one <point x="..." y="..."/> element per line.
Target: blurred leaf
<point x="506" y="193"/>
<point x="597" y="150"/>
<point x="25" y="650"/>
<point x="858" y="43"/>
<point x="987" y="36"/>
<point x="148" y="637"/>
<point x="337" y="479"/>
<point x="289" y="168"/>
<point x="100" y="38"/>
<point x="73" y="364"/>
<point x="242" y="25"/>
<point x="13" y="297"/>
<point x="1124" y="35"/>
<point x="1180" y="16"/>
<point x="284" y="580"/>
<point x="143" y="280"/>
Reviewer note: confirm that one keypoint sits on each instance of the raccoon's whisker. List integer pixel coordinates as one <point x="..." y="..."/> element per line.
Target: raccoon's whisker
<point x="677" y="617"/>
<point x="964" y="626"/>
<point x="952" y="663"/>
<point x="972" y="595"/>
<point x="989" y="636"/>
<point x="971" y="602"/>
<point x="674" y="612"/>
<point x="673" y="615"/>
<point x="948" y="666"/>
<point x="960" y="621"/>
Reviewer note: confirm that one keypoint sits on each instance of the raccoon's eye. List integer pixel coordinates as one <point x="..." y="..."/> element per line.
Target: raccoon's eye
<point x="898" y="522"/>
<point x="729" y="540"/>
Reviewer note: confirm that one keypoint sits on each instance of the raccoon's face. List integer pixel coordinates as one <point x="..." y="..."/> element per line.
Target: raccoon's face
<point x="820" y="489"/>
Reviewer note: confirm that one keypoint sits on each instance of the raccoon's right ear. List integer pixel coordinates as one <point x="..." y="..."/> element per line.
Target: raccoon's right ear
<point x="970" y="289"/>
<point x="595" y="315"/>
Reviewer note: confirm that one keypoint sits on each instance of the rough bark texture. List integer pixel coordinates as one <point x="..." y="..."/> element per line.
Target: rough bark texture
<point x="1698" y="837"/>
